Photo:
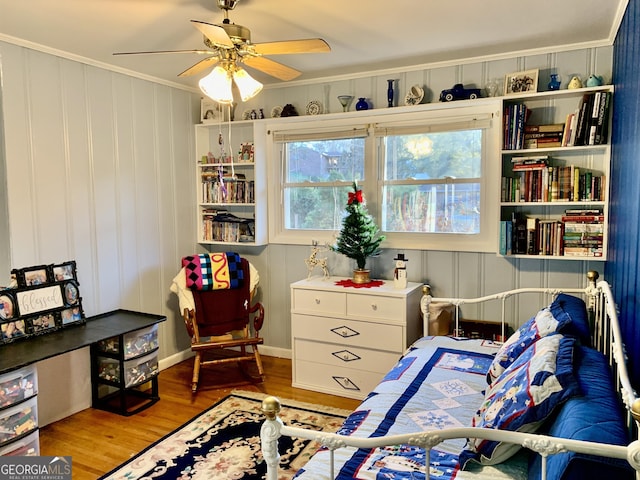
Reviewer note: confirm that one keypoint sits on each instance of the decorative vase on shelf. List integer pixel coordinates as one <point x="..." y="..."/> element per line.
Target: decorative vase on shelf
<point x="362" y="104"/>
<point x="554" y="83"/>
<point x="390" y="93"/>
<point x="361" y="275"/>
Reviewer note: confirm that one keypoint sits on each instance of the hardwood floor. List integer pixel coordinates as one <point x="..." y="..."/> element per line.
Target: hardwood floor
<point x="99" y="441"/>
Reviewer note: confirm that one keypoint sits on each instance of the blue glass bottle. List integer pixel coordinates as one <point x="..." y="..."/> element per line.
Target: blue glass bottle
<point x="362" y="104"/>
<point x="390" y="93"/>
<point x="554" y="83"/>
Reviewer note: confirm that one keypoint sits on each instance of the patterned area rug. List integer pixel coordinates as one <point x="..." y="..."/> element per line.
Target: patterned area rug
<point x="223" y="443"/>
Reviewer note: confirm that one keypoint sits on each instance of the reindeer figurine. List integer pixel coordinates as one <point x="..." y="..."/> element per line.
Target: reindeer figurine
<point x="313" y="261"/>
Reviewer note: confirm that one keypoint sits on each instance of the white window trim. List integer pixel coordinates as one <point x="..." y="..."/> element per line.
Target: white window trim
<point x="485" y="241"/>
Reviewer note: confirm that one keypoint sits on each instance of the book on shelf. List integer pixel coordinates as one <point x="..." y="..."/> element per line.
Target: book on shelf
<point x="547" y="128"/>
<point x="514" y="120"/>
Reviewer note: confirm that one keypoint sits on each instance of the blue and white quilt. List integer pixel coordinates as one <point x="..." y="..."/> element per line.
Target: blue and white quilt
<point x="439" y="383"/>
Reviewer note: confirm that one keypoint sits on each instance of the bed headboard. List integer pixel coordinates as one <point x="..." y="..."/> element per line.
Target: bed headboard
<point x="605" y="329"/>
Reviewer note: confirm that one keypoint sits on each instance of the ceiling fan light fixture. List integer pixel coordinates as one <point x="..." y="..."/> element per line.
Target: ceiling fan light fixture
<point x="217" y="85"/>
<point x="248" y="86"/>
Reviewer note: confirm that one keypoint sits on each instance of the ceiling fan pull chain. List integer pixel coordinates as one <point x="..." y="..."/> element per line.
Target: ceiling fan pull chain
<point x="233" y="172"/>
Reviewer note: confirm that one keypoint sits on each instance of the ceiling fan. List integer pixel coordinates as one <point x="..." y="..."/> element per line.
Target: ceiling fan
<point x="229" y="44"/>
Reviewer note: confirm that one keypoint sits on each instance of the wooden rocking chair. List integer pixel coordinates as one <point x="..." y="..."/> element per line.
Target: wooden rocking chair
<point x="221" y="321"/>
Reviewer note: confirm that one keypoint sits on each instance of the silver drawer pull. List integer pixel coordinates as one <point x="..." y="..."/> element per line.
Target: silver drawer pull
<point x="346" y="383"/>
<point x="374" y="307"/>
<point x="344" y="331"/>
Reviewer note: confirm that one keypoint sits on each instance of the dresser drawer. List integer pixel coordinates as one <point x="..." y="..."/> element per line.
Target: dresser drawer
<point x="341" y="381"/>
<point x="376" y="307"/>
<point x="343" y="332"/>
<point x="318" y="302"/>
<point x="357" y="358"/>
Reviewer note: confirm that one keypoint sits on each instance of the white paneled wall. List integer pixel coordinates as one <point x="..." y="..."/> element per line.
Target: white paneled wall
<point x="100" y="168"/>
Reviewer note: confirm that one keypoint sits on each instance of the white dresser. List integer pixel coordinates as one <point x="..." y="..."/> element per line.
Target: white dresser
<point x="344" y="339"/>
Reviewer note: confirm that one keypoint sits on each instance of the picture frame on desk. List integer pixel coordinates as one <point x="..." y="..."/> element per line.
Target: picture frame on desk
<point x="72" y="316"/>
<point x="521" y="82"/>
<point x="13" y="330"/>
<point x="64" y="271"/>
<point x="8" y="306"/>
<point x="71" y="293"/>
<point x="33" y="276"/>
<point x="43" y="323"/>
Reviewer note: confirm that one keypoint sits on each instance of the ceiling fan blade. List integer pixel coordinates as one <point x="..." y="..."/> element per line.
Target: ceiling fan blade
<point x="272" y="68"/>
<point x="200" y="52"/>
<point x="200" y="66"/>
<point x="214" y="33"/>
<point x="309" y="45"/>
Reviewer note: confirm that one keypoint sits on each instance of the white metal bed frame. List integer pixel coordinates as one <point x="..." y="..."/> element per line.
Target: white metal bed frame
<point x="606" y="338"/>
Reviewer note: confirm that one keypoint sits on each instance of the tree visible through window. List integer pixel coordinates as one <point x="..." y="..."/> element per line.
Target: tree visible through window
<point x="319" y="175"/>
<point x="432" y="182"/>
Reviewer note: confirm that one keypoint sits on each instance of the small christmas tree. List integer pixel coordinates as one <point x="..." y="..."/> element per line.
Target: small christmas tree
<point x="360" y="237"/>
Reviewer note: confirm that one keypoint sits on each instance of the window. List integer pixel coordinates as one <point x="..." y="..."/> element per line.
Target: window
<point x="430" y="177"/>
<point x="431" y="182"/>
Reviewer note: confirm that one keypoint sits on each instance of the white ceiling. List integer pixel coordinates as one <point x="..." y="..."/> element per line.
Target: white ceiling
<point x="363" y="35"/>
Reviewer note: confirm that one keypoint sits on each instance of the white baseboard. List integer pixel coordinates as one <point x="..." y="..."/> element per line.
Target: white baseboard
<point x="265" y="350"/>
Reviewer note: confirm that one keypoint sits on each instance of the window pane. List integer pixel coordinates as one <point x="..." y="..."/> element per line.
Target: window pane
<point x="315" y="208"/>
<point x="325" y="161"/>
<point x="432" y="208"/>
<point x="434" y="155"/>
<point x="432" y="182"/>
<point x="319" y="175"/>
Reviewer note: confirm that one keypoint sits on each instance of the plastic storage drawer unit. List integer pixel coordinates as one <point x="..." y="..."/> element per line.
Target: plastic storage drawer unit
<point x="17" y="385"/>
<point x="18" y="420"/>
<point x="134" y="344"/>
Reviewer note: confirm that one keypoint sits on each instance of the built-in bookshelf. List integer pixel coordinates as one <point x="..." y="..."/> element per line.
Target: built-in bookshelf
<point x="554" y="199"/>
<point x="230" y="179"/>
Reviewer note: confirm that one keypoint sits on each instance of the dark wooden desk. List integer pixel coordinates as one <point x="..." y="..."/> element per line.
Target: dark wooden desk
<point x="100" y="327"/>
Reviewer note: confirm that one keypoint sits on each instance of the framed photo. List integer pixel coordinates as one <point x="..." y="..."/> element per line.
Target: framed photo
<point x="42" y="323"/>
<point x="521" y="82"/>
<point x="72" y="316"/>
<point x="246" y="152"/>
<point x="209" y="110"/>
<point x="12" y="330"/>
<point x="33" y="276"/>
<point x="71" y="293"/>
<point x="8" y="306"/>
<point x="64" y="271"/>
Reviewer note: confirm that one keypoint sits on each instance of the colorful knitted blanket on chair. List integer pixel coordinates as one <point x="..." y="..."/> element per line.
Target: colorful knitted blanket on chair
<point x="213" y="271"/>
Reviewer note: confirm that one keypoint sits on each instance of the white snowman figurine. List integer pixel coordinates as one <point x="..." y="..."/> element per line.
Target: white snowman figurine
<point x="400" y="272"/>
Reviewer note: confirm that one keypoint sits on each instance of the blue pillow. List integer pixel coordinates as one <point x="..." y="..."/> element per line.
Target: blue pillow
<point x="576" y="310"/>
<point x="521" y="399"/>
<point x="596" y="415"/>
<point x="566" y="314"/>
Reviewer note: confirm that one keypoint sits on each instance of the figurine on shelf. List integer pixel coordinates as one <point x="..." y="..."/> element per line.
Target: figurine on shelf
<point x="400" y="272"/>
<point x="574" y="83"/>
<point x="313" y="261"/>
<point x="594" y="81"/>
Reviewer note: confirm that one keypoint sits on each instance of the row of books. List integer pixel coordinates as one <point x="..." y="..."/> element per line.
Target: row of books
<point x="578" y="233"/>
<point x="514" y="121"/>
<point x="535" y="180"/>
<point x="227" y="191"/>
<point x="221" y="226"/>
<point x="587" y="125"/>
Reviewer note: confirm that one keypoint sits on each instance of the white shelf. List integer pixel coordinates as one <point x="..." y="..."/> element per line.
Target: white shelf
<point x="207" y="136"/>
<point x="552" y="107"/>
